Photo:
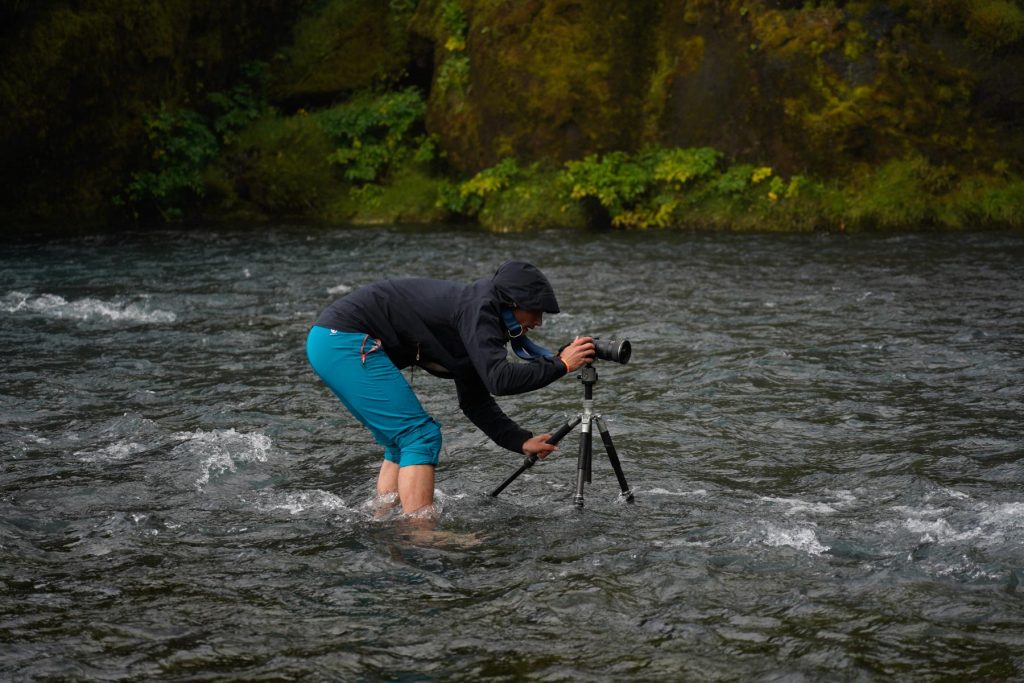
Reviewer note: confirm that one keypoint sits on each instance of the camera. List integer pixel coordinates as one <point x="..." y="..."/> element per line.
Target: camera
<point x="615" y="350"/>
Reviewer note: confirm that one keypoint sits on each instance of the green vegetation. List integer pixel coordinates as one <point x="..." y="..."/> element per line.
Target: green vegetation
<point x="453" y="73"/>
<point x="373" y="133"/>
<point x="633" y="114"/>
<point x="183" y="142"/>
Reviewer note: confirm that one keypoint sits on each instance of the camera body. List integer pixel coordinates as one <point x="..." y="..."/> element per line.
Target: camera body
<point x="615" y="350"/>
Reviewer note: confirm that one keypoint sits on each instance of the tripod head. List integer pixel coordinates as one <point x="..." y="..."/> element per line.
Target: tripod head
<point x="588" y="374"/>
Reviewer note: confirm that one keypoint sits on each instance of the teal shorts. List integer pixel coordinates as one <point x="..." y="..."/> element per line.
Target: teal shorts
<point x="354" y="366"/>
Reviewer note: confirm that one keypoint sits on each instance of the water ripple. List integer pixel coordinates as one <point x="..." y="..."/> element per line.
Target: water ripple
<point x="822" y="433"/>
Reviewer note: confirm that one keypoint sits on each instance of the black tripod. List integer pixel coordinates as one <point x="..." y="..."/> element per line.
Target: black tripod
<point x="588" y="375"/>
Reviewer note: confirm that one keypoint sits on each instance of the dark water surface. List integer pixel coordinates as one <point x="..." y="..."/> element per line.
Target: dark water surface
<point x="824" y="435"/>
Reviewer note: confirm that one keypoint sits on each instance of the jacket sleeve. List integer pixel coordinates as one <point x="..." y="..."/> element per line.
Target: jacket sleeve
<point x="481" y="409"/>
<point x="482" y="335"/>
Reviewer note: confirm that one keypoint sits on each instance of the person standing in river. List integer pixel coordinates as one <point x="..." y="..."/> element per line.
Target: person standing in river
<point x="359" y="344"/>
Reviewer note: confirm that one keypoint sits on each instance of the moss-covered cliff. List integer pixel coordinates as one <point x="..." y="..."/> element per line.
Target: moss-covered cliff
<point x="723" y="113"/>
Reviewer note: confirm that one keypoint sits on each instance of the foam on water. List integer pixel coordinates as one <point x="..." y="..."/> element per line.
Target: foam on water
<point x="115" y="451"/>
<point x="53" y="306"/>
<point x="666" y="492"/>
<point x="297" y="502"/>
<point x="983" y="523"/>
<point x="796" y="506"/>
<point x="221" y="450"/>
<point x="338" y="290"/>
<point x="1004" y="517"/>
<point x="800" y="538"/>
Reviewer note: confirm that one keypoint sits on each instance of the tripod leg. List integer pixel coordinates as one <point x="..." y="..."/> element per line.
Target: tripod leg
<point x="583" y="462"/>
<point x="613" y="456"/>
<point x="531" y="459"/>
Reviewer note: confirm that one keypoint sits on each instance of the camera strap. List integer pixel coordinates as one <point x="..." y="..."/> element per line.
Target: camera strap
<point x="522" y="346"/>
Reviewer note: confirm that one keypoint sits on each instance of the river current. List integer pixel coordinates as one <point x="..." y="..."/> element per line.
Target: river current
<point x="823" y="434"/>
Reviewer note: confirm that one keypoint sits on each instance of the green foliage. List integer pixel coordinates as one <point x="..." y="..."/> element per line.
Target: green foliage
<point x="733" y="181"/>
<point x="663" y="188"/>
<point x="535" y="199"/>
<point x="375" y="132"/>
<point x="510" y="198"/>
<point x="411" y="196"/>
<point x="679" y="166"/>
<point x="901" y="193"/>
<point x="241" y="104"/>
<point x="341" y="46"/>
<point x="453" y="73"/>
<point x="660" y="187"/>
<point x="994" y="23"/>
<point x="182" y="144"/>
<point x="280" y="168"/>
<point x="1001" y="204"/>
<point x="468" y="198"/>
<point x="614" y="179"/>
<point x="453" y="19"/>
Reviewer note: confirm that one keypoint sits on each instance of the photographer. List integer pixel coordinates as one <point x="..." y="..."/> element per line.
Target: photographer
<point x="360" y="342"/>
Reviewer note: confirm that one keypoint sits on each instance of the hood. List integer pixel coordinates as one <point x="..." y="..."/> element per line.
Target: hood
<point x="522" y="284"/>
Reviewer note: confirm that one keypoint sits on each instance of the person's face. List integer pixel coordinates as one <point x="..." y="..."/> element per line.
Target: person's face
<point x="529" y="319"/>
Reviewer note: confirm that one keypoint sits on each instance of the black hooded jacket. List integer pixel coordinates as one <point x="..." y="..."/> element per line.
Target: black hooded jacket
<point x="456" y="330"/>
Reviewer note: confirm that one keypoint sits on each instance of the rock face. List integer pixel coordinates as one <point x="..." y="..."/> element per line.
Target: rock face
<point x="804" y="87"/>
<point x="799" y="87"/>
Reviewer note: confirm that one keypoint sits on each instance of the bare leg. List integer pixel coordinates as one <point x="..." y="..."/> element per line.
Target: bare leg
<point x="416" y="488"/>
<point x="387" y="480"/>
<point x="387" y="489"/>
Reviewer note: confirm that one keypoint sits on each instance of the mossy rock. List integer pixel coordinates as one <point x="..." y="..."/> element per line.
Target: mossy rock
<point x="547" y="80"/>
<point x="342" y="46"/>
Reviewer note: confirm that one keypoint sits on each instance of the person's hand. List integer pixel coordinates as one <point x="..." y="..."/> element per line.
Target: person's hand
<point x="539" y="446"/>
<point x="578" y="353"/>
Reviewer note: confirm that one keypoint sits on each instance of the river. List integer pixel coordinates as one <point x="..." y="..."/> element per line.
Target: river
<point x="823" y="434"/>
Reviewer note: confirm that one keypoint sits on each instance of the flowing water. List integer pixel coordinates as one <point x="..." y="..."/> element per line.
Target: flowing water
<point x="823" y="434"/>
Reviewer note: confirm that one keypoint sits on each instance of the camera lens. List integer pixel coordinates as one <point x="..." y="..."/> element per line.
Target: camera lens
<point x="617" y="351"/>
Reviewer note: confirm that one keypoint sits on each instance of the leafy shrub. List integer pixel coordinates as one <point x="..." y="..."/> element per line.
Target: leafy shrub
<point x="242" y="104"/>
<point x="900" y="194"/>
<point x="985" y="200"/>
<point x="182" y="144"/>
<point x="468" y="198"/>
<point x="532" y="199"/>
<point x="410" y="197"/>
<point x="657" y="213"/>
<point x="679" y="166"/>
<point x="280" y="166"/>
<point x="453" y="73"/>
<point x="373" y="133"/>
<point x="615" y="180"/>
<point x="994" y="23"/>
<point x="735" y="180"/>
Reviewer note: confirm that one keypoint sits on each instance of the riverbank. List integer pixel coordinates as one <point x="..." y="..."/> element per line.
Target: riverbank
<point x="656" y="189"/>
<point x="631" y="115"/>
